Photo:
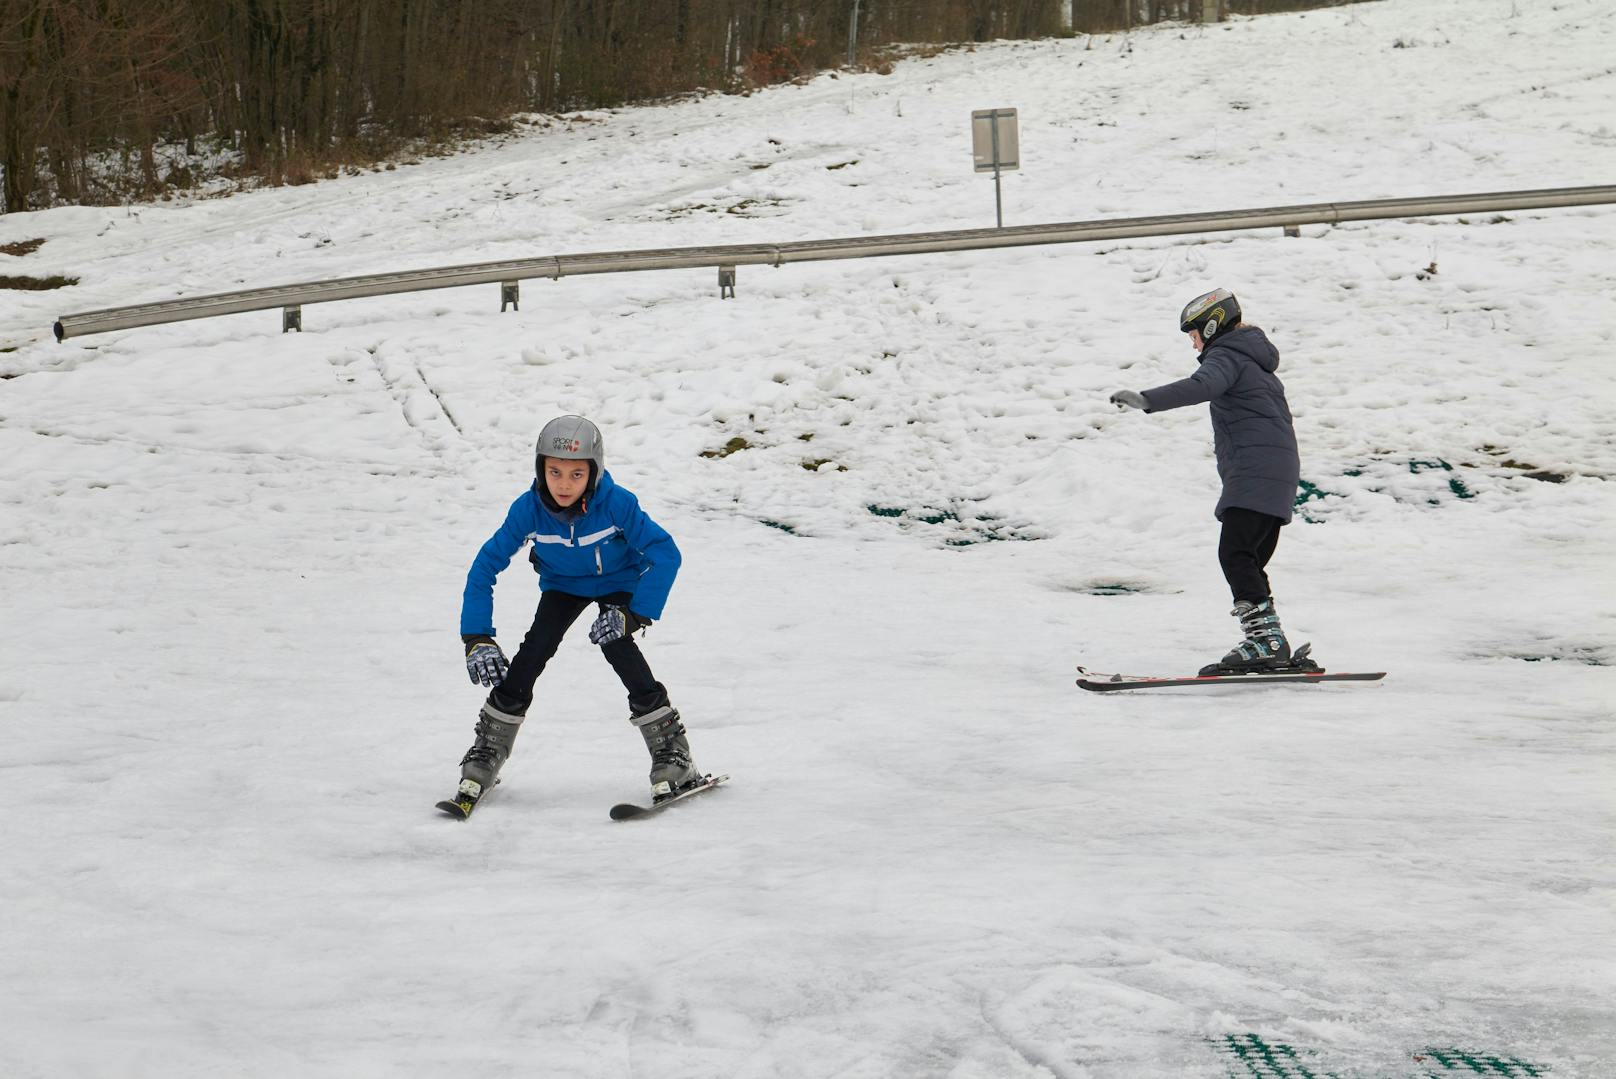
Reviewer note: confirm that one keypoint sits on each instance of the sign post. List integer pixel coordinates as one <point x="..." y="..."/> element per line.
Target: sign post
<point x="995" y="148"/>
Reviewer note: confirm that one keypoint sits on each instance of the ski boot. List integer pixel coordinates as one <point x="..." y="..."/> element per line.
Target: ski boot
<point x="479" y="768"/>
<point x="671" y="768"/>
<point x="1265" y="648"/>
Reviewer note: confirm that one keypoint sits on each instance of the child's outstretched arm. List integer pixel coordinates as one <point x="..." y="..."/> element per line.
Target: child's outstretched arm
<point x="1211" y="379"/>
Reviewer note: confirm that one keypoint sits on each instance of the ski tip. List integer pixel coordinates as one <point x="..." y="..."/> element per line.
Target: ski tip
<point x="457" y="810"/>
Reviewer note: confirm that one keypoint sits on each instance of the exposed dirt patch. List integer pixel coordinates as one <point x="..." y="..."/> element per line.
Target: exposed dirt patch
<point x="37" y="284"/>
<point x="21" y="247"/>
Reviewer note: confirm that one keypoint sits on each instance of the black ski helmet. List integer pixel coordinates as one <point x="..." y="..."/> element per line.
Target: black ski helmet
<point x="571" y="438"/>
<point x="1211" y="314"/>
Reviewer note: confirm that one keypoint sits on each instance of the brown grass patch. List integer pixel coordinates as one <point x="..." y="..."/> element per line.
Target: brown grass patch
<point x="37" y="284"/>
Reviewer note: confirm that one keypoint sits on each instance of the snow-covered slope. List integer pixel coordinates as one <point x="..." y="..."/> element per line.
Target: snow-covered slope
<point x="231" y="565"/>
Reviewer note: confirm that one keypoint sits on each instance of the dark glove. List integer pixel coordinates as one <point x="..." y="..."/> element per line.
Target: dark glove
<point x="614" y="624"/>
<point x="484" y="660"/>
<point x="1130" y="399"/>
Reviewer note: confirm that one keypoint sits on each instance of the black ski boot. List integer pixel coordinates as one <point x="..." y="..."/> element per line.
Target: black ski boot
<point x="479" y="768"/>
<point x="671" y="768"/>
<point x="1265" y="647"/>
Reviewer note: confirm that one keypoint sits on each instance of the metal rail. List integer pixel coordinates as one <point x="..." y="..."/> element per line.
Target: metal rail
<point x="291" y="298"/>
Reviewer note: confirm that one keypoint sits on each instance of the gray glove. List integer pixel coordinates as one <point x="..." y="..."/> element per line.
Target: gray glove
<point x="614" y="624"/>
<point x="484" y="661"/>
<point x="1130" y="399"/>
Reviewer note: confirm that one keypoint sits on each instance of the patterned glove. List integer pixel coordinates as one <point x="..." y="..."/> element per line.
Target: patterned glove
<point x="1130" y="399"/>
<point x="484" y="661"/>
<point x="614" y="624"/>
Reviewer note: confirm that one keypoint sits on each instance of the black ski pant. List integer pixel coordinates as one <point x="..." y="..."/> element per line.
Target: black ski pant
<point x="556" y="614"/>
<point x="1244" y="548"/>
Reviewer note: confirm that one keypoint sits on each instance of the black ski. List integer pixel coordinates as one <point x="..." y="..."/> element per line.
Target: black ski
<point x="630" y="811"/>
<point x="465" y="800"/>
<point x="1110" y="683"/>
<point x="1302" y="669"/>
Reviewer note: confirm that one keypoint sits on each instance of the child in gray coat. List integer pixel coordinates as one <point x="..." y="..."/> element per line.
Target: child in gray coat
<point x="1258" y="463"/>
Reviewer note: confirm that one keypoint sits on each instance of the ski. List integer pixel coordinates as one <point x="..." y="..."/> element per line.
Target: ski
<point x="465" y="800"/>
<point x="1110" y="683"/>
<point x="630" y="811"/>
<point x="1302" y="669"/>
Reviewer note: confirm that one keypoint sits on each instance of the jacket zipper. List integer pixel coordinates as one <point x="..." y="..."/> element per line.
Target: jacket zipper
<point x="572" y="540"/>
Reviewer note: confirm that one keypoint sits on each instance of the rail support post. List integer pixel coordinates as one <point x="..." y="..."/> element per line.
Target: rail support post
<point x="292" y="319"/>
<point x="726" y="282"/>
<point x="510" y="292"/>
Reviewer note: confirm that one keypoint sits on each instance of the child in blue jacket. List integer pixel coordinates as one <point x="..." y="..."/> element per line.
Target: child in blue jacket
<point x="591" y="544"/>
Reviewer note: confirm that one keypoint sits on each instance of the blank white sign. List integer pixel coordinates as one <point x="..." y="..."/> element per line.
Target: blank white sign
<point x="983" y="121"/>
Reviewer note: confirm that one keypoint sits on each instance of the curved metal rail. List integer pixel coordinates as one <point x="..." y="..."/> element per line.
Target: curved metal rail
<point x="291" y="298"/>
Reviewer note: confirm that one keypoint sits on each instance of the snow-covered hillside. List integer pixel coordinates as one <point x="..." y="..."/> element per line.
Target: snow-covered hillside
<point x="231" y="565"/>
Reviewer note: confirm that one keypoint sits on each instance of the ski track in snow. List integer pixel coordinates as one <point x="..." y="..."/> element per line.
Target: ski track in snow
<point x="232" y="563"/>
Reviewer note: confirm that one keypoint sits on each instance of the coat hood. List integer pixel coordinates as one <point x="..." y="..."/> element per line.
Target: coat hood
<point x="1250" y="342"/>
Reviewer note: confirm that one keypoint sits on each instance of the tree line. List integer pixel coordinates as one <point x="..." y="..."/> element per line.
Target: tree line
<point x="284" y="89"/>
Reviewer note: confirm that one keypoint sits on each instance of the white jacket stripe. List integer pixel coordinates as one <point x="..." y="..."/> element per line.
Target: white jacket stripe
<point x="581" y="541"/>
<point x="596" y="537"/>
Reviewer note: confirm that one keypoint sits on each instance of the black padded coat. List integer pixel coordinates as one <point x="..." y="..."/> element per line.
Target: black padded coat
<point x="1252" y="432"/>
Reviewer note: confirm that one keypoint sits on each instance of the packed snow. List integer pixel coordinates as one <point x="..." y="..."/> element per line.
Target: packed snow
<point x="232" y="564"/>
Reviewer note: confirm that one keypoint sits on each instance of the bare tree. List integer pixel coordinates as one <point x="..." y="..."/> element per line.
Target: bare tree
<point x="299" y="86"/>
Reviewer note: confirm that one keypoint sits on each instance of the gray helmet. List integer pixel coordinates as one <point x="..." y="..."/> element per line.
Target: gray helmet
<point x="1211" y="314"/>
<point x="571" y="438"/>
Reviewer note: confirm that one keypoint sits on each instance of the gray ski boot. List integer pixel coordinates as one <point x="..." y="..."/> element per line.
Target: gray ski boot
<point x="671" y="768"/>
<point x="496" y="731"/>
<point x="1265" y="647"/>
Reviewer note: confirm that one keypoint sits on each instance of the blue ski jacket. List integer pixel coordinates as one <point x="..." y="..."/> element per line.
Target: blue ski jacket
<point x="612" y="546"/>
<point x="1252" y="433"/>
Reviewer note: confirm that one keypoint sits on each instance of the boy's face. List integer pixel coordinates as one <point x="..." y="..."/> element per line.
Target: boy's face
<point x="1195" y="340"/>
<point x="566" y="479"/>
